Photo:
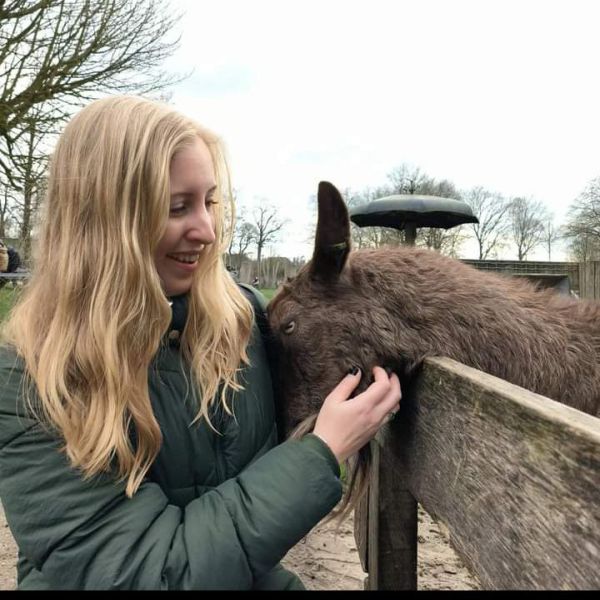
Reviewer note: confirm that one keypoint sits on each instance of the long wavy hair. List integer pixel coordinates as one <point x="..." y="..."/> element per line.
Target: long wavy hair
<point x="93" y="315"/>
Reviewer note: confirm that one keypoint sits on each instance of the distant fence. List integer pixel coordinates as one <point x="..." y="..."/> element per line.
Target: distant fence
<point x="565" y="275"/>
<point x="513" y="475"/>
<point x="16" y="278"/>
<point x="583" y="278"/>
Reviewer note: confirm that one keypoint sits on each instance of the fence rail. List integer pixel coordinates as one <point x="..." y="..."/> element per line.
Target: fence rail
<point x="17" y="276"/>
<point x="513" y="475"/>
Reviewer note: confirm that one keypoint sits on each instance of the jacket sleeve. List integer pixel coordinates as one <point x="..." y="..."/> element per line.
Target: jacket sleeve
<point x="86" y="534"/>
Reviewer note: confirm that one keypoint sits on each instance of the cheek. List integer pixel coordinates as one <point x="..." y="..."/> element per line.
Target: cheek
<point x="168" y="241"/>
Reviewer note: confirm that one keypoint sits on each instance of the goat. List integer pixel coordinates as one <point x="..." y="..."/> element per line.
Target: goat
<point x="395" y="306"/>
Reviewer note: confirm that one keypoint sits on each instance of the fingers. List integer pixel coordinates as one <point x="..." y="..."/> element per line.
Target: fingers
<point x="382" y="396"/>
<point x="391" y="401"/>
<point x="344" y="389"/>
<point x="346" y="424"/>
<point x="381" y="380"/>
<point x="394" y="393"/>
<point x="381" y="386"/>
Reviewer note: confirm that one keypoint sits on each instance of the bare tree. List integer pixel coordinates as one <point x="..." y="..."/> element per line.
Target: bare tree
<point x="267" y="227"/>
<point x="244" y="235"/>
<point x="30" y="168"/>
<point x="551" y="234"/>
<point x="492" y="210"/>
<point x="57" y="54"/>
<point x="371" y="237"/>
<point x="527" y="218"/>
<point x="445" y="241"/>
<point x="584" y="248"/>
<point x="7" y="211"/>
<point x="407" y="179"/>
<point x="583" y="223"/>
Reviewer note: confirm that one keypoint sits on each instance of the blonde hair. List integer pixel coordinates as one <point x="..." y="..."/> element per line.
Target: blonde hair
<point x="93" y="315"/>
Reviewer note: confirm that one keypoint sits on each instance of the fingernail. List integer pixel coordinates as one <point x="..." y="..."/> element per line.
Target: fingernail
<point x="353" y="371"/>
<point x="388" y="370"/>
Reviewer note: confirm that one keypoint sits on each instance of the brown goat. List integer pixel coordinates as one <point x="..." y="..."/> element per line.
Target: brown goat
<point x="395" y="306"/>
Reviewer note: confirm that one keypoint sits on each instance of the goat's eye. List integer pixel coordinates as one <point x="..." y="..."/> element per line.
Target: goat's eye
<point x="289" y="327"/>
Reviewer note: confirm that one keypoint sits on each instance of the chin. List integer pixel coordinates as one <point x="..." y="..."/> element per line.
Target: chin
<point x="178" y="289"/>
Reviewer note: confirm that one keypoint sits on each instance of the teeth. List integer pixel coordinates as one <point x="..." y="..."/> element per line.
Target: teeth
<point x="186" y="258"/>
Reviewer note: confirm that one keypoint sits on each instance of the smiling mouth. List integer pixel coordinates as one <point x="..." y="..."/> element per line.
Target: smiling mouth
<point x="188" y="259"/>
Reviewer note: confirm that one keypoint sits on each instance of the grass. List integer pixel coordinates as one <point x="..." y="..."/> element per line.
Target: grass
<point x="8" y="295"/>
<point x="268" y="292"/>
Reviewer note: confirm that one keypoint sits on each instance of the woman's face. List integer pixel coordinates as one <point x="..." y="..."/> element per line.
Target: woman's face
<point x="191" y="224"/>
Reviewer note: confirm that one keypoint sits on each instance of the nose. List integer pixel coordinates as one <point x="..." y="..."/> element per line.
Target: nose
<point x="201" y="226"/>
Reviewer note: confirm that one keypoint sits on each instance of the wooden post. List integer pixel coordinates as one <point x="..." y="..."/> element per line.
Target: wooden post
<point x="386" y="522"/>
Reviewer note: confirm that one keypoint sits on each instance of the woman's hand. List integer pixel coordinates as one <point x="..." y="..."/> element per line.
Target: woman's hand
<point x="346" y="425"/>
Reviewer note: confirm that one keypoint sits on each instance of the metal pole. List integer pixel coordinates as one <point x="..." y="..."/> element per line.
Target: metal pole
<point x="410" y="234"/>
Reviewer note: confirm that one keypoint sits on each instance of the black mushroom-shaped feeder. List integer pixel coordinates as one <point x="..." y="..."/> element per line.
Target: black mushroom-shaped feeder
<point x="410" y="211"/>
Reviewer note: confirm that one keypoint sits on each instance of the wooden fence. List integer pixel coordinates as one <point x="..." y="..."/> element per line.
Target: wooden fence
<point x="13" y="278"/>
<point x="513" y="475"/>
<point x="547" y="273"/>
<point x="589" y="279"/>
<point x="583" y="278"/>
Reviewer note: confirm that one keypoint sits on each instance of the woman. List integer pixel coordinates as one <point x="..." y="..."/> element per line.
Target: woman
<point x="137" y="424"/>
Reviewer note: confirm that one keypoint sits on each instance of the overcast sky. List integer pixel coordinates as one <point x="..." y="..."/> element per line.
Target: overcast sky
<point x="503" y="94"/>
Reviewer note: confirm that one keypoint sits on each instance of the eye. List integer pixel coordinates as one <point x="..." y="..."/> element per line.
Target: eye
<point x="289" y="327"/>
<point x="178" y="209"/>
<point x="210" y="198"/>
<point x="178" y="205"/>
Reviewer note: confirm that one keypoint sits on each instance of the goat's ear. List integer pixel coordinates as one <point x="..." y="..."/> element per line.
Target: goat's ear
<point x="332" y="241"/>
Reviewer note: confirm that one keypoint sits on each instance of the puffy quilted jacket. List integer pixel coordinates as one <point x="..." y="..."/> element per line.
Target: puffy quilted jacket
<point x="216" y="511"/>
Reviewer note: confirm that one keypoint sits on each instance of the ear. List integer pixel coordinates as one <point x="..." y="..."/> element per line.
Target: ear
<point x="332" y="240"/>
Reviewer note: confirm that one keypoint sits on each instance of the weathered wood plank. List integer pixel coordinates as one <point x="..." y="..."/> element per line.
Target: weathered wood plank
<point x="373" y="542"/>
<point x="361" y="531"/>
<point x="515" y="477"/>
<point x="589" y="279"/>
<point x="397" y="522"/>
<point x="386" y="523"/>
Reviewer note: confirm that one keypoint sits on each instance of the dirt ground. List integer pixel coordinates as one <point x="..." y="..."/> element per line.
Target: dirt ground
<point x="326" y="559"/>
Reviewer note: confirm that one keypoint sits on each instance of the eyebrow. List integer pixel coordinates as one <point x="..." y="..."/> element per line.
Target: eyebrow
<point x="184" y="193"/>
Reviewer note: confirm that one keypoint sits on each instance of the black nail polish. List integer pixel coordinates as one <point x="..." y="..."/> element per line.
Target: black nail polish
<point x="353" y="371"/>
<point x="388" y="370"/>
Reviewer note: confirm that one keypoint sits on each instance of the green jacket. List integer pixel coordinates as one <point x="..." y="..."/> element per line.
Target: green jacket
<point x="215" y="511"/>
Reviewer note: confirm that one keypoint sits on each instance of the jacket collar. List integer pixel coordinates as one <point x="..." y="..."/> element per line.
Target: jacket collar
<point x="179" y="310"/>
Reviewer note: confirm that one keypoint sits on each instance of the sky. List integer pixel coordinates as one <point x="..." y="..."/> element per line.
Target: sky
<point x="503" y="94"/>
